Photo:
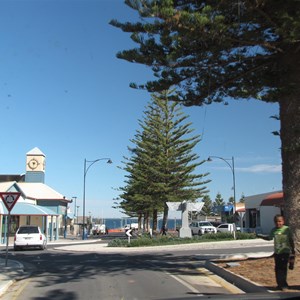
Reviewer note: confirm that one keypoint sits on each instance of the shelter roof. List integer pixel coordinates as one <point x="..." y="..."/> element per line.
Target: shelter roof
<point x="23" y="208"/>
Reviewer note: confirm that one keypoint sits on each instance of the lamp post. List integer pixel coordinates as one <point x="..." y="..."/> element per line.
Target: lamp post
<point x="77" y="207"/>
<point x="231" y="166"/>
<point x="87" y="165"/>
<point x="66" y="219"/>
<point x="75" y="198"/>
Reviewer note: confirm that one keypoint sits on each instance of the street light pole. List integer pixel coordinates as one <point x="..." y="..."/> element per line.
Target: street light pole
<point x="66" y="219"/>
<point x="75" y="207"/>
<point x="231" y="166"/>
<point x="87" y="165"/>
<point x="77" y="214"/>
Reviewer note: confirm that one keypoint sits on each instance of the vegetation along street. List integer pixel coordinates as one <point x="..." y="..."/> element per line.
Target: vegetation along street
<point x="209" y="52"/>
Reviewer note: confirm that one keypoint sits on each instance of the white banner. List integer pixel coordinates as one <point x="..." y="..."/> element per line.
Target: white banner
<point x="190" y="206"/>
<point x="174" y="205"/>
<point x="195" y="206"/>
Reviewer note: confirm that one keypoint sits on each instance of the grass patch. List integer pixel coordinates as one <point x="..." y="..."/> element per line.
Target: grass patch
<point x="146" y="240"/>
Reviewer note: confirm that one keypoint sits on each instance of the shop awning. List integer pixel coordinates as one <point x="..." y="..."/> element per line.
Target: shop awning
<point x="27" y="209"/>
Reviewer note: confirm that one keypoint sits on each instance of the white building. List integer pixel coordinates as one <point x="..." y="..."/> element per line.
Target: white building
<point x="260" y="211"/>
<point x="38" y="203"/>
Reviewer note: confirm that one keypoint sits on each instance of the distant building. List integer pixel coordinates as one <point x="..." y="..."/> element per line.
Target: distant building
<point x="260" y="210"/>
<point x="38" y="204"/>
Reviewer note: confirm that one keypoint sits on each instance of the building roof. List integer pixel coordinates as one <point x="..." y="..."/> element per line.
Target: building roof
<point x="255" y="200"/>
<point x="275" y="199"/>
<point x="35" y="151"/>
<point x="240" y="207"/>
<point x="33" y="190"/>
<point x="5" y="186"/>
<point x="30" y="191"/>
<point x="39" y="191"/>
<point x="12" y="177"/>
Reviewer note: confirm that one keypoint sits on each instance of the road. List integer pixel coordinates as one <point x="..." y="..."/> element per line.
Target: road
<point x="62" y="275"/>
<point x="84" y="275"/>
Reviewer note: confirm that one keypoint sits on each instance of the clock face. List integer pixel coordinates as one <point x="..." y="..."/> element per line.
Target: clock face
<point x="33" y="164"/>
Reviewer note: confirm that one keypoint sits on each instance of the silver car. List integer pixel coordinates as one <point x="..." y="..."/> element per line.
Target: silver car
<point x="228" y="227"/>
<point x="29" y="236"/>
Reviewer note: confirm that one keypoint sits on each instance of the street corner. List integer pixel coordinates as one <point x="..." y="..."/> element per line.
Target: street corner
<point x="10" y="265"/>
<point x="11" y="270"/>
<point x="242" y="283"/>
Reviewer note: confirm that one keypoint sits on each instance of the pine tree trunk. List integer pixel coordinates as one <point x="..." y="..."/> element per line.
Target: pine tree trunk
<point x="290" y="152"/>
<point x="140" y="217"/>
<point x="289" y="105"/>
<point x="145" y="222"/>
<point x="154" y="220"/>
<point x="165" y="217"/>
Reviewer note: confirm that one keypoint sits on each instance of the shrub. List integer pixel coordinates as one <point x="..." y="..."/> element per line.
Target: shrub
<point x="117" y="243"/>
<point x="245" y="236"/>
<point x="146" y="240"/>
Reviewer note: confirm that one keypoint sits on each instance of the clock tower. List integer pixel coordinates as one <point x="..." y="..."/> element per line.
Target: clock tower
<point x="35" y="166"/>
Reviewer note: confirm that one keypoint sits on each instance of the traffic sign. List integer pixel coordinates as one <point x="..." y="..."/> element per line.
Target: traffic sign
<point x="128" y="233"/>
<point x="9" y="199"/>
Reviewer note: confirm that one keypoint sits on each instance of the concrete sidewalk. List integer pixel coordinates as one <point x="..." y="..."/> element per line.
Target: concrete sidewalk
<point x="9" y="273"/>
<point x="15" y="270"/>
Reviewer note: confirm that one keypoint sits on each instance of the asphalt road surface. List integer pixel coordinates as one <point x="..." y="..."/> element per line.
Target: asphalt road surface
<point x="56" y="274"/>
<point x="66" y="275"/>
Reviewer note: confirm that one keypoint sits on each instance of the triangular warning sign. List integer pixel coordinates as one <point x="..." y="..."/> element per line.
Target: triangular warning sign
<point x="10" y="199"/>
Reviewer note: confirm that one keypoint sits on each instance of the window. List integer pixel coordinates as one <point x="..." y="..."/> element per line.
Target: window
<point x="28" y="230"/>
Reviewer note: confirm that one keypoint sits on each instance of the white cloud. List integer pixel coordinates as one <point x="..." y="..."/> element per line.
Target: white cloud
<point x="261" y="169"/>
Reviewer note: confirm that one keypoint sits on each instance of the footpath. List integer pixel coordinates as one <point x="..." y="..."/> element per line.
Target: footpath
<point x="235" y="284"/>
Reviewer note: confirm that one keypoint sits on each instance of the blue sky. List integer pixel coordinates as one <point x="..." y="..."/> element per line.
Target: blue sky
<point x="63" y="90"/>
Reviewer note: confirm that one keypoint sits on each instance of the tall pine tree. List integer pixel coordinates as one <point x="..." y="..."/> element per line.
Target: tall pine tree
<point x="162" y="167"/>
<point x="218" y="204"/>
<point x="216" y="50"/>
<point x="208" y="205"/>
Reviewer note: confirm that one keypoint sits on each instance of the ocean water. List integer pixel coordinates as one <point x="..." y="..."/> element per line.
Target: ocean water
<point x="114" y="223"/>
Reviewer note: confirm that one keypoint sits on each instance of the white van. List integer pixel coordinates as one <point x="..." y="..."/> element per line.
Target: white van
<point x="134" y="226"/>
<point x="99" y="229"/>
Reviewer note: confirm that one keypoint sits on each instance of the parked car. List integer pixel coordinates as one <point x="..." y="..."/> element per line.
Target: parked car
<point x="134" y="226"/>
<point x="202" y="227"/>
<point x="29" y="236"/>
<point x="99" y="229"/>
<point x="215" y="224"/>
<point x="228" y="227"/>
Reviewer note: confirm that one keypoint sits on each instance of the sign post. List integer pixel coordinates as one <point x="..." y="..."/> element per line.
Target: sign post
<point x="9" y="199"/>
<point x="128" y="233"/>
